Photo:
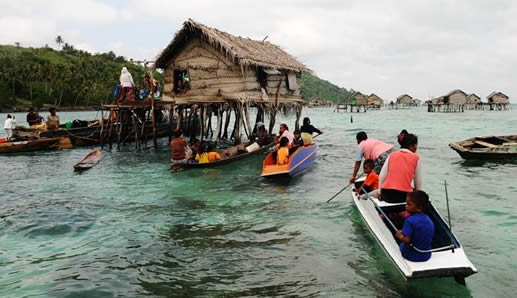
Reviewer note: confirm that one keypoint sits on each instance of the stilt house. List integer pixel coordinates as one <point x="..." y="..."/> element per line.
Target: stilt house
<point x="405" y="99"/>
<point x="374" y="100"/>
<point x="498" y="98"/>
<point x="209" y="71"/>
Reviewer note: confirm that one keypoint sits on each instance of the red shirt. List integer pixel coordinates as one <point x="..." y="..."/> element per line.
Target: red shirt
<point x="178" y="149"/>
<point x="372" y="180"/>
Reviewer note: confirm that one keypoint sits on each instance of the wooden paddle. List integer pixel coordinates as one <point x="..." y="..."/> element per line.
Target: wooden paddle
<point x="343" y="188"/>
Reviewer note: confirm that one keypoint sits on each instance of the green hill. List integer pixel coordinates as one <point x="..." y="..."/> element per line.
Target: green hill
<point x="313" y="87"/>
<point x="72" y="77"/>
<point x="69" y="77"/>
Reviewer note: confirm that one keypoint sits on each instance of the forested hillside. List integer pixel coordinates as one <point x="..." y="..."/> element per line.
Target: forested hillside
<point x="313" y="87"/>
<point x="72" y="77"/>
<point x="68" y="77"/>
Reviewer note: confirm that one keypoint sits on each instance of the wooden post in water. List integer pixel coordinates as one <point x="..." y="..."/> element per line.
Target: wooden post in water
<point x="227" y="122"/>
<point x="101" y="135"/>
<point x="153" y="119"/>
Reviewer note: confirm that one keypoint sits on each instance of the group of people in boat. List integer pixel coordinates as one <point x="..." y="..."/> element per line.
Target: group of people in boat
<point x="35" y="121"/>
<point x="288" y="143"/>
<point x="198" y="152"/>
<point x="394" y="176"/>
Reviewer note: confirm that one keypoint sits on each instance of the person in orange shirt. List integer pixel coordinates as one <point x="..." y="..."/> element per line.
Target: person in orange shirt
<point x="213" y="155"/>
<point x="282" y="157"/>
<point x="371" y="183"/>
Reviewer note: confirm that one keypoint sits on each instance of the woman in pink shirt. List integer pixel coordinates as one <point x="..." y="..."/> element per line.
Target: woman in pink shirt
<point x="373" y="149"/>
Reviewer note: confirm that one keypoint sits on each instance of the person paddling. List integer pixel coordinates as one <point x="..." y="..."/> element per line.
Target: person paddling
<point x="400" y="169"/>
<point x="307" y="130"/>
<point x="373" y="149"/>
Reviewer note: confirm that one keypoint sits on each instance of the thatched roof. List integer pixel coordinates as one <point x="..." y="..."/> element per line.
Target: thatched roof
<point x="242" y="51"/>
<point x="400" y="97"/>
<point x="455" y="91"/>
<point x="473" y="95"/>
<point x="497" y="93"/>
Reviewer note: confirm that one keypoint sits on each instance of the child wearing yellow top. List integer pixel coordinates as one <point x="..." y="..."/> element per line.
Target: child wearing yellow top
<point x="202" y="155"/>
<point x="213" y="155"/>
<point x="282" y="157"/>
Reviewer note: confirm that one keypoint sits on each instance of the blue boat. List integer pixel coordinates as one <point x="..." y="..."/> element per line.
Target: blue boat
<point x="301" y="159"/>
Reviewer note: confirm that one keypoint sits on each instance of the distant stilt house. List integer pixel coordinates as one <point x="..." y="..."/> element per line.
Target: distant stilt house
<point x="417" y="102"/>
<point x="498" y="101"/>
<point x="319" y="102"/>
<point x="473" y="102"/>
<point x="373" y="101"/>
<point x="403" y="101"/>
<point x="357" y="101"/>
<point x="453" y="101"/>
<point x="210" y="72"/>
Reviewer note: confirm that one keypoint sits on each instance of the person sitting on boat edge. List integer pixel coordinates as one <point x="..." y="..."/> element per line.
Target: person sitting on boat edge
<point x="52" y="119"/>
<point x="371" y="183"/>
<point x="297" y="141"/>
<point x="179" y="148"/>
<point x="202" y="155"/>
<point x="212" y="154"/>
<point x="418" y="229"/>
<point x="400" y="169"/>
<point x="282" y="157"/>
<point x="373" y="149"/>
<point x="307" y="130"/>
<point x="9" y="124"/>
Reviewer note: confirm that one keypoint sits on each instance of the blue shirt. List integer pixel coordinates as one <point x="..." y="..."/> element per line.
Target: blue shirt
<point x="420" y="229"/>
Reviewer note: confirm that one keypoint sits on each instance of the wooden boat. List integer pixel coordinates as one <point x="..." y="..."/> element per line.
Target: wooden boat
<point x="487" y="147"/>
<point x="35" y="145"/>
<point x="301" y="159"/>
<point x="89" y="161"/>
<point x="448" y="259"/>
<point x="228" y="155"/>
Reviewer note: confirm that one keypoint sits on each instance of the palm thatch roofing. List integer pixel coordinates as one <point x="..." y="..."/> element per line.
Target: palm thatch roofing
<point x="497" y="93"/>
<point x="455" y="91"/>
<point x="242" y="51"/>
<point x="400" y="97"/>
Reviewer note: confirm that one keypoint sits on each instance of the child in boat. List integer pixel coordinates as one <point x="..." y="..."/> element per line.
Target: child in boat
<point x="282" y="157"/>
<point x="9" y="125"/>
<point x="418" y="229"/>
<point x="297" y="141"/>
<point x="179" y="148"/>
<point x="371" y="183"/>
<point x="202" y="155"/>
<point x="212" y="154"/>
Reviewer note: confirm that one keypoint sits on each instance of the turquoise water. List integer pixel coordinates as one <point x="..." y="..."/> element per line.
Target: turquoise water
<point x="128" y="227"/>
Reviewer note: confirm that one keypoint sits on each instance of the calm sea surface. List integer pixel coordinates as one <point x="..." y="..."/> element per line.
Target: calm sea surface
<point x="129" y="227"/>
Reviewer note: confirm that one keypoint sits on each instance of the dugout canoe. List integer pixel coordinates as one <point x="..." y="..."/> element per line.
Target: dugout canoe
<point x="89" y="161"/>
<point x="300" y="160"/>
<point x="35" y="145"/>
<point x="448" y="258"/>
<point x="487" y="147"/>
<point x="228" y="155"/>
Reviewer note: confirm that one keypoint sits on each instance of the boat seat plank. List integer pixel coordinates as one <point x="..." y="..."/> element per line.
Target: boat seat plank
<point x="482" y="143"/>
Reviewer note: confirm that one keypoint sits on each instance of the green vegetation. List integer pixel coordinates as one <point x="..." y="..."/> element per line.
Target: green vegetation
<point x="69" y="77"/>
<point x="72" y="77"/>
<point x="313" y="87"/>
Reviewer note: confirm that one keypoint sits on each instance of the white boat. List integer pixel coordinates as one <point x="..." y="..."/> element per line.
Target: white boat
<point x="448" y="259"/>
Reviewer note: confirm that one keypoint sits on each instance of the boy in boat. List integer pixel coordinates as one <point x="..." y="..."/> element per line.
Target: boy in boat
<point x="202" y="155"/>
<point x="418" y="230"/>
<point x="371" y="183"/>
<point x="297" y="141"/>
<point x="212" y="154"/>
<point x="282" y="157"/>
<point x="9" y="125"/>
<point x="178" y="148"/>
<point x="52" y="119"/>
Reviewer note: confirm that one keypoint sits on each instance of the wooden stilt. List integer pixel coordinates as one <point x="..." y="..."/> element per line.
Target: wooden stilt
<point x="153" y="119"/>
<point x="219" y="123"/>
<point x="227" y="122"/>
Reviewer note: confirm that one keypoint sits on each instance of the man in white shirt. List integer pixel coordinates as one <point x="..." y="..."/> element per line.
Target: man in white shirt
<point x="9" y="125"/>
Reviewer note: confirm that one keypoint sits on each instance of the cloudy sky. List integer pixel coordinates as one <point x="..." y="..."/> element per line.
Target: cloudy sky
<point x="423" y="48"/>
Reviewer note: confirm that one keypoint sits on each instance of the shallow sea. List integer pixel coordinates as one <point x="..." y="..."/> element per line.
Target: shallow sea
<point x="128" y="227"/>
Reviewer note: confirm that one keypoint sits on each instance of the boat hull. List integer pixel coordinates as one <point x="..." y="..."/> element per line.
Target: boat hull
<point x="487" y="147"/>
<point x="224" y="161"/>
<point x="298" y="162"/>
<point x="31" y="145"/>
<point x="446" y="263"/>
